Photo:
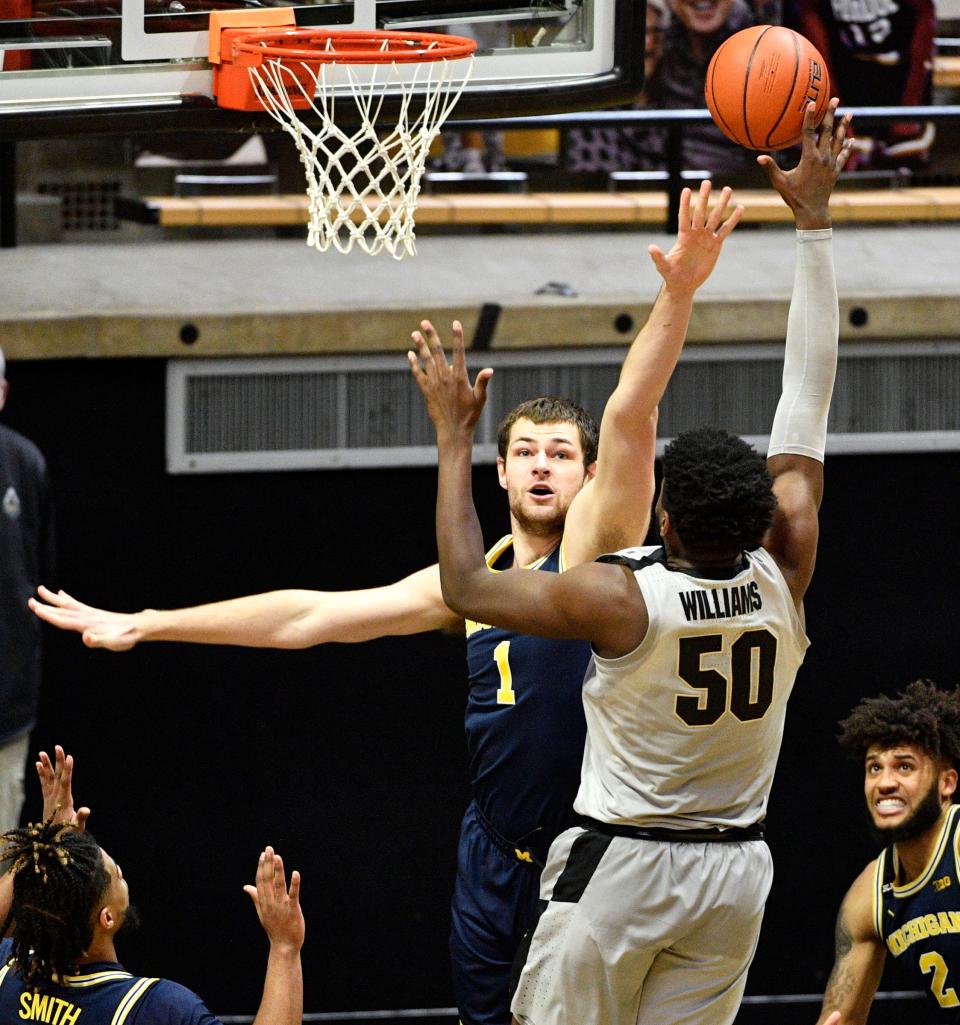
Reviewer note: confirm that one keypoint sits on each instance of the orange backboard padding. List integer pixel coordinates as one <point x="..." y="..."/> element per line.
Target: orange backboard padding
<point x="267" y="17"/>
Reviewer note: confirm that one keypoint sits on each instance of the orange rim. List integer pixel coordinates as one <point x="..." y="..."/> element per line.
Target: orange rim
<point x="353" y="46"/>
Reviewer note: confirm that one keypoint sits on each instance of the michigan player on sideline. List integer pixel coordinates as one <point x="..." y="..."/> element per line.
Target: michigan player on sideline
<point x="907" y="901"/>
<point x="524" y="718"/>
<point x="652" y="905"/>
<point x="68" y="901"/>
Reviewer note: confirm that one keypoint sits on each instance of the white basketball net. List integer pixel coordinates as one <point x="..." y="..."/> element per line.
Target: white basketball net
<point x="363" y="187"/>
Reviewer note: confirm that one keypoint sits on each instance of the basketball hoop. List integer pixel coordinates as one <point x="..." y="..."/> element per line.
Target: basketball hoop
<point x="363" y="185"/>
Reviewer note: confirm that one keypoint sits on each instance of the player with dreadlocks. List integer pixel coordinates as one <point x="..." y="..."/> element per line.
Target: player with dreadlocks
<point x="907" y="901"/>
<point x="67" y="900"/>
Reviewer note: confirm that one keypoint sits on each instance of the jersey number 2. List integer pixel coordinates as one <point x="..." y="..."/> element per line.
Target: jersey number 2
<point x="706" y="709"/>
<point x="933" y="962"/>
<point x="501" y="655"/>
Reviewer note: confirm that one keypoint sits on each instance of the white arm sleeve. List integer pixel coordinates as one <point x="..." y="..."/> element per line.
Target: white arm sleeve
<point x="810" y="360"/>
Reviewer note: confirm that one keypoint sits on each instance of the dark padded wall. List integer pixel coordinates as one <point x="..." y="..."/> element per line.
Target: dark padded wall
<point x="350" y="758"/>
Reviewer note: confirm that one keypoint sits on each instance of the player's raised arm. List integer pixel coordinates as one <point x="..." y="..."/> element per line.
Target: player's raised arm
<point x="613" y="510"/>
<point x="56" y="786"/>
<point x="798" y="435"/>
<point x="859" y="957"/>
<point x="278" y="909"/>
<point x="599" y="603"/>
<point x="277" y="619"/>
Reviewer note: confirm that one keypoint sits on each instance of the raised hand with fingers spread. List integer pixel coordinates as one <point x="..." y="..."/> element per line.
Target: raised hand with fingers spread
<point x="279" y="912"/>
<point x="56" y="785"/>
<point x="702" y="232"/>
<point x="277" y="907"/>
<point x="453" y="403"/>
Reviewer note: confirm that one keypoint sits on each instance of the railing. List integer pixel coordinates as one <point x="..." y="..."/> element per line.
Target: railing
<point x="676" y="122"/>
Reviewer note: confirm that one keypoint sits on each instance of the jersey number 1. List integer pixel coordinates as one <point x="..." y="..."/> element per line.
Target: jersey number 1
<point x="706" y="709"/>
<point x="501" y="655"/>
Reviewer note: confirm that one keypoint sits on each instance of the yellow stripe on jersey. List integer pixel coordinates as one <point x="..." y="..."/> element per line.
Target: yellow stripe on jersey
<point x="93" y="979"/>
<point x="497" y="550"/>
<point x="3" y="973"/>
<point x="562" y="557"/>
<point x="502" y="545"/>
<point x="132" y="996"/>
<point x="918" y="884"/>
<point x="878" y="894"/>
<point x="956" y="847"/>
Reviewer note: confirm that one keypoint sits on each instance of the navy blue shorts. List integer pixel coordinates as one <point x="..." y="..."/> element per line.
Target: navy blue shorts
<point x="494" y="902"/>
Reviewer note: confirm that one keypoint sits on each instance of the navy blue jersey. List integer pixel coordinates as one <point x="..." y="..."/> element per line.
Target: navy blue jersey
<point x="920" y="921"/>
<point x="99" y="994"/>
<point x="524" y="722"/>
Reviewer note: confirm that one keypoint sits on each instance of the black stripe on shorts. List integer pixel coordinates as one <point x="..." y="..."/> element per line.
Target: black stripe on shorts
<point x="585" y="855"/>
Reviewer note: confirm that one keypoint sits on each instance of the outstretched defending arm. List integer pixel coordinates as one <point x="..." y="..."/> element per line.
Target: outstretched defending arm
<point x="798" y="435"/>
<point x="277" y="619"/>
<point x="613" y="510"/>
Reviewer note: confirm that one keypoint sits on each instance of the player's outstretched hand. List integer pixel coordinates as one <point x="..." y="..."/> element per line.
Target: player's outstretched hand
<point x="453" y="403"/>
<point x="56" y="785"/>
<point x="277" y="907"/>
<point x="700" y="238"/>
<point x="807" y="187"/>
<point x="834" y="1019"/>
<point x="100" y="629"/>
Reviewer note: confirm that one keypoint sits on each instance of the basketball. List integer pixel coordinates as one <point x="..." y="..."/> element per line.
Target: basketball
<point x="759" y="83"/>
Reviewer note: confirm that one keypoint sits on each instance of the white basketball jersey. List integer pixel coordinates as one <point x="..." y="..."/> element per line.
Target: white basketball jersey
<point x="685" y="730"/>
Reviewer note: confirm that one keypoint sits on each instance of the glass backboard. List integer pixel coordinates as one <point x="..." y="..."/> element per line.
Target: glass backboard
<point x="69" y="66"/>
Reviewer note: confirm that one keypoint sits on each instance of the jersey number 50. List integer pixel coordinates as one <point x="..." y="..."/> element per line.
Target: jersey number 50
<point x="753" y="648"/>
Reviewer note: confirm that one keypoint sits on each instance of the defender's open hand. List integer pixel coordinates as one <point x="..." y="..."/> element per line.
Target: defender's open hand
<point x="100" y="629"/>
<point x="700" y="238"/>
<point x="453" y="403"/>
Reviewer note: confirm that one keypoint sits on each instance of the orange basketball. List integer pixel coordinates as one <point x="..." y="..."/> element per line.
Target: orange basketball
<point x="759" y="83"/>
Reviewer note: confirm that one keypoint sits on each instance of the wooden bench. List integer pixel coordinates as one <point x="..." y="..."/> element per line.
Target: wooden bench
<point x="941" y="203"/>
<point x="946" y="72"/>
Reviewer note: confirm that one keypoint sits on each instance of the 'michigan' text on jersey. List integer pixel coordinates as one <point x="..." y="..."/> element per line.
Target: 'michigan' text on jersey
<point x="919" y="922"/>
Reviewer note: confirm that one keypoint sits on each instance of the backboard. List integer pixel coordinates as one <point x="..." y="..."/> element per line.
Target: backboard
<point x="74" y="66"/>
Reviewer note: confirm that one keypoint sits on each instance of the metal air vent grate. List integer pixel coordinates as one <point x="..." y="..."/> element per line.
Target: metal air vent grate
<point x="315" y="412"/>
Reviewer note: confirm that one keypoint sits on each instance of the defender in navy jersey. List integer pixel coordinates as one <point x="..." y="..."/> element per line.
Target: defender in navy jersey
<point x="67" y="900"/>
<point x="525" y="727"/>
<point x="524" y="717"/>
<point x="906" y="903"/>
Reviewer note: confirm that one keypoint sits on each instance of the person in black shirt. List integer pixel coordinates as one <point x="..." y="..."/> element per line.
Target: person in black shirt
<point x="26" y="559"/>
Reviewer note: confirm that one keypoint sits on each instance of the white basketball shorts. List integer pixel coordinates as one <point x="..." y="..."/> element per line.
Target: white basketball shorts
<point x="642" y="932"/>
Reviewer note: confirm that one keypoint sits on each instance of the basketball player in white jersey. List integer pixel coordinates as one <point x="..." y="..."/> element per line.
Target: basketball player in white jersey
<point x="652" y="905"/>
